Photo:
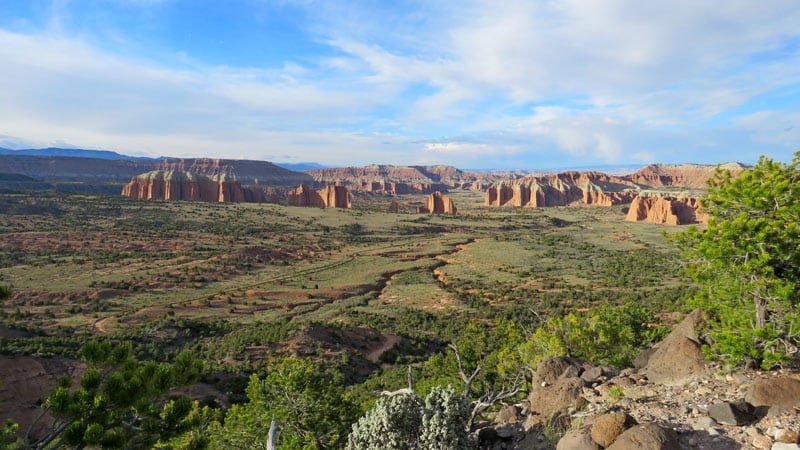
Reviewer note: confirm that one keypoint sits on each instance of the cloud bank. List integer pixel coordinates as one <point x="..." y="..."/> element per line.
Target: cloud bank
<point x="477" y="83"/>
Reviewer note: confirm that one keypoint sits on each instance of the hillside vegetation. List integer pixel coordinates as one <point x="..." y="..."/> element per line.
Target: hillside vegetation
<point x="303" y="314"/>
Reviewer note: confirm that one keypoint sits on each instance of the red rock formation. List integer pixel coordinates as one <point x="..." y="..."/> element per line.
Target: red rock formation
<point x="591" y="188"/>
<point x="692" y="176"/>
<point x="336" y="197"/>
<point x="329" y="197"/>
<point x="170" y="185"/>
<point x="665" y="210"/>
<point x="394" y="180"/>
<point x="440" y="204"/>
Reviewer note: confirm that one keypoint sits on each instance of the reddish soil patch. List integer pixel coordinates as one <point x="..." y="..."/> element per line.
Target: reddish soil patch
<point x="27" y="381"/>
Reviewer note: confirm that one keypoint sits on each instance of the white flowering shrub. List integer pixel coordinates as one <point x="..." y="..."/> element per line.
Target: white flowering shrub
<point x="404" y="422"/>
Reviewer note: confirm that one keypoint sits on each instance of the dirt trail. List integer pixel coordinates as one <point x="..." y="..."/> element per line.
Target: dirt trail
<point x="99" y="325"/>
<point x="389" y="341"/>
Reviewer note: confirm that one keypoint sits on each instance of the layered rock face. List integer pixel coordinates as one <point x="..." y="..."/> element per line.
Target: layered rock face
<point x="393" y="180"/>
<point x="329" y="197"/>
<point x="590" y="188"/>
<point x="438" y="204"/>
<point x="172" y="185"/>
<point x="244" y="171"/>
<point x="665" y="210"/>
<point x="692" y="176"/>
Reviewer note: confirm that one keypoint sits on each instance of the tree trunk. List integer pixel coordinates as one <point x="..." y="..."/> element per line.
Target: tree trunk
<point x="761" y="309"/>
<point x="273" y="428"/>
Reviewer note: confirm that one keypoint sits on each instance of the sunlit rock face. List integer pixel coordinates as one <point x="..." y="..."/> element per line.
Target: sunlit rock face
<point x="329" y="197"/>
<point x="395" y="180"/>
<point x="666" y="211"/>
<point x="188" y="186"/>
<point x="566" y="188"/>
<point x="439" y="204"/>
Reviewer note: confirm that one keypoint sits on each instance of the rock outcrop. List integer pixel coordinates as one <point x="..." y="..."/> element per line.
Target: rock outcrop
<point x="556" y="388"/>
<point x="678" y="359"/>
<point x="188" y="186"/>
<point x="438" y="204"/>
<point x="671" y="400"/>
<point x="665" y="210"/>
<point x="329" y="197"/>
<point x="589" y="188"/>
<point x="693" y="176"/>
<point x="778" y="393"/>
<point x="395" y="180"/>
<point x="659" y="193"/>
<point x="647" y="436"/>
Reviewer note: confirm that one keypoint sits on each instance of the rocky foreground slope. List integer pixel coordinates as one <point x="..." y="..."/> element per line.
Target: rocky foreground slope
<point x="672" y="399"/>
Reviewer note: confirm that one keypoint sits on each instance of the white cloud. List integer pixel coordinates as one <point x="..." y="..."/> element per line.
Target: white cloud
<point x="776" y="129"/>
<point x="462" y="148"/>
<point x="516" y="80"/>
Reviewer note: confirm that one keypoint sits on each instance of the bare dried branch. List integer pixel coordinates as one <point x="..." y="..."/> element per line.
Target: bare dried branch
<point x="467" y="379"/>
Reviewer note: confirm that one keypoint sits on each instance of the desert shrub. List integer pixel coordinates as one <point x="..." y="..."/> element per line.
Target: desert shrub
<point x="607" y="335"/>
<point x="405" y="421"/>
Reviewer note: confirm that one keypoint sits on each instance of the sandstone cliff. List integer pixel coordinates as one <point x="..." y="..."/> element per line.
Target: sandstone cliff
<point x="438" y="204"/>
<point x="172" y="185"/>
<point x="393" y="180"/>
<point x="329" y="197"/>
<point x="665" y="210"/>
<point x="590" y="188"/>
<point x="693" y="176"/>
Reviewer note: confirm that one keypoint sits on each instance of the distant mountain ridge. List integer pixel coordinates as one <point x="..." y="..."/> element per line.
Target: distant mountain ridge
<point x="301" y="166"/>
<point x="122" y="170"/>
<point x="73" y="153"/>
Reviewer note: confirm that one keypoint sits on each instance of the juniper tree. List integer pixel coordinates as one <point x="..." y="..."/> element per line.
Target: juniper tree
<point x="120" y="402"/>
<point x="309" y="404"/>
<point x="748" y="262"/>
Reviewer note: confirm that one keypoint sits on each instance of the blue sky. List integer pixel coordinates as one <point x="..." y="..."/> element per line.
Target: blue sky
<point x="473" y="83"/>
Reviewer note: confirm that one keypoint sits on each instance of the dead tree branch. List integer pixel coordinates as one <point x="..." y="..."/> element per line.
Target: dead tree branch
<point x="467" y="379"/>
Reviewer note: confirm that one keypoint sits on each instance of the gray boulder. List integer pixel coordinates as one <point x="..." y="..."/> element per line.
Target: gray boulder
<point x="727" y="413"/>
